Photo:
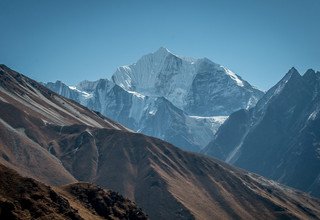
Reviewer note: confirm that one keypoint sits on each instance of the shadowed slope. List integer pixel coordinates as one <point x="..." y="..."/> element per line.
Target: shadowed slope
<point x="280" y="137"/>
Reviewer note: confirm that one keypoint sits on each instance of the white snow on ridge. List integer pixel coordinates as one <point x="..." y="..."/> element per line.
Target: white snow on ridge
<point x="83" y="93"/>
<point x="139" y="95"/>
<point x="234" y="77"/>
<point x="73" y="88"/>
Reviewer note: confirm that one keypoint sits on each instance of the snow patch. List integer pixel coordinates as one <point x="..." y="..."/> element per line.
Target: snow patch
<point x="152" y="112"/>
<point x="313" y="115"/>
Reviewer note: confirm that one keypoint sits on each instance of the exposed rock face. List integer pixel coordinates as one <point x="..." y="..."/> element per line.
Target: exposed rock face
<point x="279" y="138"/>
<point x="160" y="93"/>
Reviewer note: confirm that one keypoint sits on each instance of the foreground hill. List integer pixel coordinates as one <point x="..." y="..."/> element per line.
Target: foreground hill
<point x="58" y="141"/>
<point x="279" y="138"/>
<point x="25" y="198"/>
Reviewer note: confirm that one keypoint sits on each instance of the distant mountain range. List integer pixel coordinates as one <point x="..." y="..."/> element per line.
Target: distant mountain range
<point x="57" y="141"/>
<point x="280" y="137"/>
<point x="180" y="100"/>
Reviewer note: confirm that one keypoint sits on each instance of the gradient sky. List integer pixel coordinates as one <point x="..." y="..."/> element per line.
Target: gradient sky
<point x="74" y="40"/>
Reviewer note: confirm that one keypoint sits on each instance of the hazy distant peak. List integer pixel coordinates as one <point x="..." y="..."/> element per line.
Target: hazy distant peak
<point x="310" y="71"/>
<point x="290" y="75"/>
<point x="311" y="74"/>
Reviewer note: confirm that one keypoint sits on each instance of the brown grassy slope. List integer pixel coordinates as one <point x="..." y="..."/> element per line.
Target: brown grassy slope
<point x="24" y="198"/>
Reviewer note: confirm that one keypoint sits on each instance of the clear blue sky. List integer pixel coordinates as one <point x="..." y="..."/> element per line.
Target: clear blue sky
<point x="75" y="40"/>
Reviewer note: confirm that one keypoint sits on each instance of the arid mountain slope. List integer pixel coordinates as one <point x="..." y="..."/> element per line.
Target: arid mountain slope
<point x="30" y="117"/>
<point x="184" y="185"/>
<point x="165" y="181"/>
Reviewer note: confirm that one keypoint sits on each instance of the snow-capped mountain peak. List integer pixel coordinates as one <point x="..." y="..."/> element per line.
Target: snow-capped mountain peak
<point x="179" y="80"/>
<point x="168" y="96"/>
